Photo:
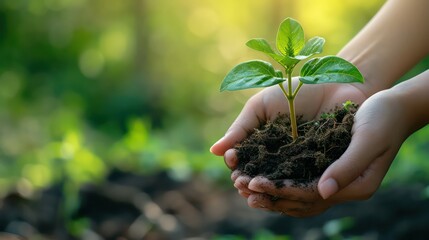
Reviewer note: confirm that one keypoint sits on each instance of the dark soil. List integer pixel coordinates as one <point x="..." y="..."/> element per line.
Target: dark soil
<point x="270" y="151"/>
<point x="130" y="206"/>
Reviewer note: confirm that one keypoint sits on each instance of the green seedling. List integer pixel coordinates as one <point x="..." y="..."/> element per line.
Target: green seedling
<point x="347" y="105"/>
<point x="291" y="49"/>
<point x="327" y="116"/>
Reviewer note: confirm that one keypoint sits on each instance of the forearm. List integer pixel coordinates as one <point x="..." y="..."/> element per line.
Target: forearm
<point x="391" y="43"/>
<point x="414" y="99"/>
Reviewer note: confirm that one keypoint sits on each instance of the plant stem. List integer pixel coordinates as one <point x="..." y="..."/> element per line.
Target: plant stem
<point x="292" y="118"/>
<point x="290" y="96"/>
<point x="295" y="92"/>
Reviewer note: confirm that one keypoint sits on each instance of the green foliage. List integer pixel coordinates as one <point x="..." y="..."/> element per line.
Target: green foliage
<point x="292" y="49"/>
<point x="327" y="116"/>
<point x="333" y="229"/>
<point x="290" y="44"/>
<point x="290" y="38"/>
<point x="252" y="74"/>
<point x="330" y="69"/>
<point x="347" y="105"/>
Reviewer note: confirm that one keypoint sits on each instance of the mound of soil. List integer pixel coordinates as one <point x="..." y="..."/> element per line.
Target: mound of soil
<point x="271" y="152"/>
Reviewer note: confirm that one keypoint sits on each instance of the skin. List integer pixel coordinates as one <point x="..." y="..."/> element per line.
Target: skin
<point x="390" y="44"/>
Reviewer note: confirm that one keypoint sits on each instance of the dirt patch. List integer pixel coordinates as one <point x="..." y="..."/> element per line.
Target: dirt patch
<point x="270" y="151"/>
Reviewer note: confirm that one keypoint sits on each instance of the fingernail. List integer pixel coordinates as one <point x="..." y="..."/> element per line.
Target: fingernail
<point x="328" y="188"/>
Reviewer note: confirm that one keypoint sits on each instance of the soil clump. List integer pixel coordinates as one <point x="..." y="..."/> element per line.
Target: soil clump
<point x="271" y="152"/>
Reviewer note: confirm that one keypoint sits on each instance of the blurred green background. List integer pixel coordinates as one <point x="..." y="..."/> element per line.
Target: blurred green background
<point x="87" y="86"/>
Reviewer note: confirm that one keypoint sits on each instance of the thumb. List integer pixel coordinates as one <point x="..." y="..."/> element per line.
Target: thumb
<point x="364" y="148"/>
<point x="249" y="119"/>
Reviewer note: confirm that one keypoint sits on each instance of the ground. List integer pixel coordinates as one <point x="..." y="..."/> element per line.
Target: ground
<point x="130" y="206"/>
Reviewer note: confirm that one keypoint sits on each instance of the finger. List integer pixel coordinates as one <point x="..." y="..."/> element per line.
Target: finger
<point x="242" y="182"/>
<point x="230" y="159"/>
<point x="286" y="189"/>
<point x="284" y="206"/>
<point x="355" y="160"/>
<point x="244" y="193"/>
<point x="364" y="186"/>
<point x="257" y="200"/>
<point x="250" y="118"/>
<point x="235" y="174"/>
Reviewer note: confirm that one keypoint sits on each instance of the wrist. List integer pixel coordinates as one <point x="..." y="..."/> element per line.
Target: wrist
<point x="414" y="98"/>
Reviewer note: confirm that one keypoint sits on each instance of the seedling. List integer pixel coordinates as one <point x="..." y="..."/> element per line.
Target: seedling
<point x="292" y="49"/>
<point x="327" y="116"/>
<point x="347" y="105"/>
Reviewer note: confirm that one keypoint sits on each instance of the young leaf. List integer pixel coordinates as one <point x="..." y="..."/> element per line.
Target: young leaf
<point x="329" y="69"/>
<point x="260" y="44"/>
<point x="279" y="73"/>
<point x="290" y="38"/>
<point x="313" y="46"/>
<point x="288" y="62"/>
<point x="251" y="74"/>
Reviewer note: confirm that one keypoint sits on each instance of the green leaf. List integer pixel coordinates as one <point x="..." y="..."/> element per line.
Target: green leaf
<point x="288" y="62"/>
<point x="290" y="42"/>
<point x="313" y="46"/>
<point x="330" y="69"/>
<point x="279" y="73"/>
<point x="260" y="44"/>
<point x="251" y="74"/>
<point x="290" y="38"/>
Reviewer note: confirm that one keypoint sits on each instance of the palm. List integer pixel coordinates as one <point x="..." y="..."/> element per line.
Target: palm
<point x="266" y="105"/>
<point x="311" y="101"/>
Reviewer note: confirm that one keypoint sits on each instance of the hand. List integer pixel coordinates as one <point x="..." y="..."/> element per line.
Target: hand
<point x="311" y="102"/>
<point x="382" y="124"/>
<point x="379" y="130"/>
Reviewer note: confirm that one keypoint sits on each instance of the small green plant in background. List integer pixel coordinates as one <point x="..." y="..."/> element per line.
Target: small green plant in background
<point x="292" y="49"/>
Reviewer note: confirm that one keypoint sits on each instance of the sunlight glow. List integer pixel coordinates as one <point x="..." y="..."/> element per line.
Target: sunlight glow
<point x="91" y="63"/>
<point x="203" y="22"/>
<point x="115" y="44"/>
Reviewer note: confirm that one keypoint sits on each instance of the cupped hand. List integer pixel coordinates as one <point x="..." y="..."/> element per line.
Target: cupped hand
<point x="311" y="101"/>
<point x="381" y="126"/>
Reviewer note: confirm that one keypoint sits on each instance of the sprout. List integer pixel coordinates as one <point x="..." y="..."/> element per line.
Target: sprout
<point x="291" y="49"/>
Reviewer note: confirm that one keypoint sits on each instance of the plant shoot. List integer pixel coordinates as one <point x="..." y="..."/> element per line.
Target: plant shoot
<point x="291" y="49"/>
